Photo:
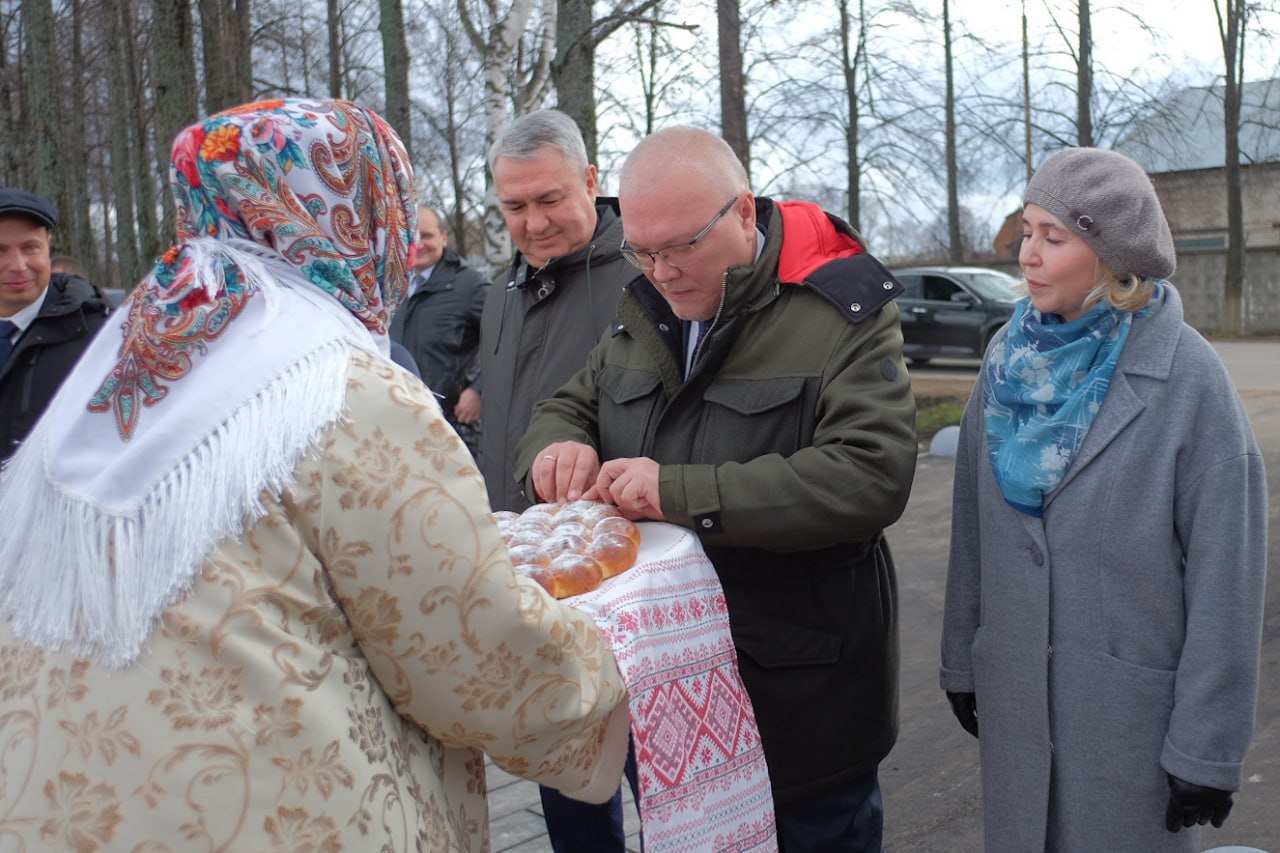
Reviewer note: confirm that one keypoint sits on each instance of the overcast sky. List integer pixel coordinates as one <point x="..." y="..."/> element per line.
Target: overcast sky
<point x="1180" y="43"/>
<point x="1180" y="37"/>
<point x="1188" y="29"/>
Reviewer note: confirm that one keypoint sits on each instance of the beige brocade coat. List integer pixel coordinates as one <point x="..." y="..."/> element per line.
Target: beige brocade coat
<point x="330" y="679"/>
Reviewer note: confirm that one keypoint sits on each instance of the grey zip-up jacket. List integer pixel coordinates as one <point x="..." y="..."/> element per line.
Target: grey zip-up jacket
<point x="535" y="333"/>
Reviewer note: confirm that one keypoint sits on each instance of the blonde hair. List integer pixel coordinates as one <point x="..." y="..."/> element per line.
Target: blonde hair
<point x="1131" y="293"/>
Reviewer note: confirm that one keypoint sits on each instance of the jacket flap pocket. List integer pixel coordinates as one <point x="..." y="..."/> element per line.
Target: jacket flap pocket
<point x="624" y="386"/>
<point x="773" y="644"/>
<point x="752" y="396"/>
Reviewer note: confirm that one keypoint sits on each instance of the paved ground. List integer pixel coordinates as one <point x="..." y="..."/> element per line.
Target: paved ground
<point x="930" y="780"/>
<point x="515" y="815"/>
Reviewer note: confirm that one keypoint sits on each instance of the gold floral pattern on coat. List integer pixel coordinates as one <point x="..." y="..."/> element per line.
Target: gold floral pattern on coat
<point x="330" y="678"/>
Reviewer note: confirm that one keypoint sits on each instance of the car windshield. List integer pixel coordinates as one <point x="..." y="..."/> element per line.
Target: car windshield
<point x="993" y="285"/>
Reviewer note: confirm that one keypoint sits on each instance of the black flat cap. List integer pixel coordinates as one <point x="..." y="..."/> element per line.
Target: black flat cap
<point x="16" y="202"/>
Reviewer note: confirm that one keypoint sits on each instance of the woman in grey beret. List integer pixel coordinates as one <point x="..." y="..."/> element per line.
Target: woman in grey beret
<point x="1104" y="595"/>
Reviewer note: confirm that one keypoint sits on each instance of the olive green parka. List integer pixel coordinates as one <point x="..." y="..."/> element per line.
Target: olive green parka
<point x="788" y="449"/>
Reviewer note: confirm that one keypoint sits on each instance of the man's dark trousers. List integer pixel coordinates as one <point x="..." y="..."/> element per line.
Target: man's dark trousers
<point x="577" y="827"/>
<point x="848" y="818"/>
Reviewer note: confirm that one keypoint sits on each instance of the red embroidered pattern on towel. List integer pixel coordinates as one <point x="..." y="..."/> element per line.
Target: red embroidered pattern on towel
<point x="703" y="781"/>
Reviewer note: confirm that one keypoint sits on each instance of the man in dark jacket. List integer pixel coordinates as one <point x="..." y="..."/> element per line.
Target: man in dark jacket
<point x="46" y="319"/>
<point x="753" y="390"/>
<point x="558" y="301"/>
<point x="560" y="293"/>
<point x="439" y="324"/>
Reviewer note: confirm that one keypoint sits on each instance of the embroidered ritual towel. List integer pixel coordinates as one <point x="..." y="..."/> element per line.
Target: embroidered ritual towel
<point x="703" y="781"/>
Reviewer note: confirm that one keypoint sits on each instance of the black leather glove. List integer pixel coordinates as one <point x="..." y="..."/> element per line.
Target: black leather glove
<point x="1191" y="804"/>
<point x="965" y="707"/>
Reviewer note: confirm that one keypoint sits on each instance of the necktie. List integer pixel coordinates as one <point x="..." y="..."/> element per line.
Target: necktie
<point x="7" y="329"/>
<point x="702" y="333"/>
<point x="698" y="332"/>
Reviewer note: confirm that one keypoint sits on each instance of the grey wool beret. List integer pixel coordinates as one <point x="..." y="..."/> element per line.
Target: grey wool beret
<point x="1108" y="200"/>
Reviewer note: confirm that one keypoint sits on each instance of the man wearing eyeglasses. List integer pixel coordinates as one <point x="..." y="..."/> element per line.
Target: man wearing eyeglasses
<point x="753" y="390"/>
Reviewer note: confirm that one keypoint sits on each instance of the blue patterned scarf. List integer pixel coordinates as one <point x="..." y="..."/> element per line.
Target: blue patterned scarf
<point x="1043" y="385"/>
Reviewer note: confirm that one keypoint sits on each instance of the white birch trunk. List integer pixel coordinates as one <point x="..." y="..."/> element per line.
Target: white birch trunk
<point x="497" y="39"/>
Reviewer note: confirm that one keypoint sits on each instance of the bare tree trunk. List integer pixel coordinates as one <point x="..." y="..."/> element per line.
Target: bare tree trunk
<point x="1232" y="28"/>
<point x="225" y="39"/>
<point x="173" y="69"/>
<point x="1026" y="96"/>
<point x="447" y="121"/>
<point x="214" y="60"/>
<point x="333" y="16"/>
<point x="119" y="100"/>
<point x="395" y="69"/>
<point x="241" y="49"/>
<point x="140" y="161"/>
<point x="851" y="57"/>
<point x="44" y="119"/>
<point x="80" y="235"/>
<point x="573" y="69"/>
<point x="110" y="273"/>
<point x="651" y="61"/>
<point x="733" y="87"/>
<point x="533" y="64"/>
<point x="497" y="44"/>
<point x="453" y="139"/>
<point x="303" y="61"/>
<point x="458" y="227"/>
<point x="173" y="74"/>
<point x="10" y="116"/>
<point x="147" y="176"/>
<point x="578" y="34"/>
<point x="1084" y="78"/>
<point x="955" y="242"/>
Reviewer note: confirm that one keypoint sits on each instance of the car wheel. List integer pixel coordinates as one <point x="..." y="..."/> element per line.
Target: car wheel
<point x="915" y="359"/>
<point x="986" y="343"/>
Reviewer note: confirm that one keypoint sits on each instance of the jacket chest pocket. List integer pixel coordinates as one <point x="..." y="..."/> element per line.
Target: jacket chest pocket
<point x="746" y="418"/>
<point x="628" y="402"/>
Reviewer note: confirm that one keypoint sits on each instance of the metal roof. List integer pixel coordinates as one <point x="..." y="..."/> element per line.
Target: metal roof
<point x="1185" y="132"/>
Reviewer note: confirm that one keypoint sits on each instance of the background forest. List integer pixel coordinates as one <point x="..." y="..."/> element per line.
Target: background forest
<point x="918" y="120"/>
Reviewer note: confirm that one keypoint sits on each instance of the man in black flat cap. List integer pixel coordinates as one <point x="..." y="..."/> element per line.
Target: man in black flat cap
<point x="46" y="319"/>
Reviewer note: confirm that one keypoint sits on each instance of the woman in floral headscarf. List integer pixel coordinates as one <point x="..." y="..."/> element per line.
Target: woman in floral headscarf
<point x="251" y="595"/>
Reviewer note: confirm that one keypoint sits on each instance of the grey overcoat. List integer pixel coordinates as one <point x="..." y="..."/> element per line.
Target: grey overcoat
<point x="1117" y="637"/>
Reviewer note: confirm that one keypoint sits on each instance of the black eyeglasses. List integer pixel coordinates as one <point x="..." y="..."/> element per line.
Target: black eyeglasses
<point x="677" y="255"/>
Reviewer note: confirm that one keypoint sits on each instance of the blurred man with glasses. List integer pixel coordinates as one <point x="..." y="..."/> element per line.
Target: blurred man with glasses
<point x="753" y="391"/>
<point x="556" y="302"/>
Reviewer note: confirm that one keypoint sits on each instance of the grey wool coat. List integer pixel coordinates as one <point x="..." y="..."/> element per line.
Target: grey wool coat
<point x="1117" y="637"/>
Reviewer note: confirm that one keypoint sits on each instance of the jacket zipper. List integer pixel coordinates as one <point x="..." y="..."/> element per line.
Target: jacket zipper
<point x="724" y="293"/>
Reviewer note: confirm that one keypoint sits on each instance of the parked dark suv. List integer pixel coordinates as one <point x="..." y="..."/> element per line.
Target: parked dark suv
<point x="952" y="312"/>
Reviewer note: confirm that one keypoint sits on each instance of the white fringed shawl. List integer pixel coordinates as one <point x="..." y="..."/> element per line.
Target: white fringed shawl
<point x="101" y="535"/>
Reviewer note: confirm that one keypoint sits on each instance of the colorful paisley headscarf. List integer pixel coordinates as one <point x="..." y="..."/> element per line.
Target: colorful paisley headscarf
<point x="324" y="186"/>
<point x="227" y="364"/>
